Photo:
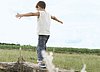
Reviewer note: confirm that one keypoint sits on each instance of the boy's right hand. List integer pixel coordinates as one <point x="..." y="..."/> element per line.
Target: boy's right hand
<point x="61" y="22"/>
<point x="18" y="15"/>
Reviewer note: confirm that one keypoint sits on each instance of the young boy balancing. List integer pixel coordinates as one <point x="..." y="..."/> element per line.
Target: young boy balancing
<point x="43" y="26"/>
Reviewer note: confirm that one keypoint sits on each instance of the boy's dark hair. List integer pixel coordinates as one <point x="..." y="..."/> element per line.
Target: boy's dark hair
<point x="41" y="4"/>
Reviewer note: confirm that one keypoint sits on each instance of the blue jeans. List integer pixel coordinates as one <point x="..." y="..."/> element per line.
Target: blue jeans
<point x="42" y="40"/>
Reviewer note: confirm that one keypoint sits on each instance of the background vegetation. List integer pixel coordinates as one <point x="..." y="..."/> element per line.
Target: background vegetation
<point x="54" y="49"/>
<point x="67" y="58"/>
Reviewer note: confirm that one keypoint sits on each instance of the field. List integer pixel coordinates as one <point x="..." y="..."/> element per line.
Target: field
<point x="61" y="60"/>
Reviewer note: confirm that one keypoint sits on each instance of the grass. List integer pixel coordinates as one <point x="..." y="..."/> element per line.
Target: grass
<point x="66" y="61"/>
<point x="12" y="55"/>
<point x="75" y="61"/>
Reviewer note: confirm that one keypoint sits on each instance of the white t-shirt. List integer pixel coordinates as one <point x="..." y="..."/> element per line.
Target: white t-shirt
<point x="43" y="23"/>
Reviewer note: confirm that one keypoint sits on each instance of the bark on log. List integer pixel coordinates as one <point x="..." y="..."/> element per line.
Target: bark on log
<point x="24" y="67"/>
<point x="18" y="67"/>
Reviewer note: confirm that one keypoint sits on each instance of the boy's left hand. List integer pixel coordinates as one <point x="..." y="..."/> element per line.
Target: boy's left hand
<point x="18" y="15"/>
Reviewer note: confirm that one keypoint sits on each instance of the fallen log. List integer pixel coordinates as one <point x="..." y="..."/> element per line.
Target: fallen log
<point x="18" y="67"/>
<point x="25" y="67"/>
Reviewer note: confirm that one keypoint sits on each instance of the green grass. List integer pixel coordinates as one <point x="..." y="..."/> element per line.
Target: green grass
<point x="13" y="55"/>
<point x="66" y="61"/>
<point x="75" y="61"/>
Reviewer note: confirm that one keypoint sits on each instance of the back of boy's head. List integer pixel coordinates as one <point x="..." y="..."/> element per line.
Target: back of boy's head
<point x="41" y="4"/>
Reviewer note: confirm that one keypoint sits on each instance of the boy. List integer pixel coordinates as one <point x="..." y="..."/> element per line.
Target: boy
<point x="43" y="27"/>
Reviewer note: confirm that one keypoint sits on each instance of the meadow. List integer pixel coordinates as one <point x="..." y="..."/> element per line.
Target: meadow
<point x="61" y="60"/>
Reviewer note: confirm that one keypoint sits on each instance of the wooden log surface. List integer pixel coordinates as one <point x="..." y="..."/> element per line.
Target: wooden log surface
<point x="25" y="67"/>
<point x="18" y="67"/>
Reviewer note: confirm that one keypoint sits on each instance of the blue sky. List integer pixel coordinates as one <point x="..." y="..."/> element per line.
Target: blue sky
<point x="80" y="28"/>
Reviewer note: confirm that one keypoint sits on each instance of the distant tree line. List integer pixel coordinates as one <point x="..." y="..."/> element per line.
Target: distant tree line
<point x="14" y="46"/>
<point x="9" y="44"/>
<point x="54" y="49"/>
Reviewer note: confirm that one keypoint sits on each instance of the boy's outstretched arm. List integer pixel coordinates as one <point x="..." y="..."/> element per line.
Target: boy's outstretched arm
<point x="27" y="14"/>
<point x="54" y="18"/>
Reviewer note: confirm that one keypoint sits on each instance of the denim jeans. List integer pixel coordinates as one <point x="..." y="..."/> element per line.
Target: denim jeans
<point x="42" y="40"/>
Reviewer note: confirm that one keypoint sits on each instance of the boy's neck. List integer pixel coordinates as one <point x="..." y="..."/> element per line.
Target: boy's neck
<point x="41" y="9"/>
